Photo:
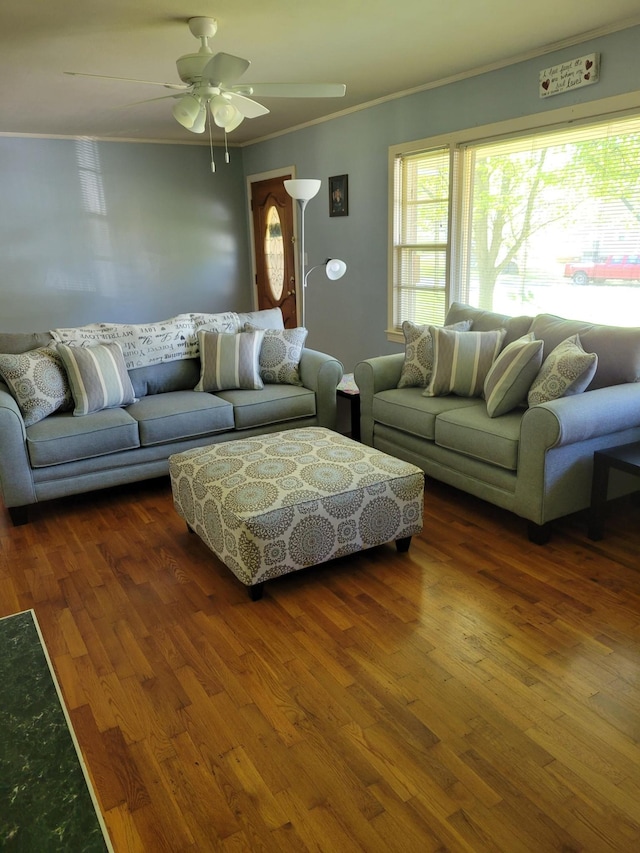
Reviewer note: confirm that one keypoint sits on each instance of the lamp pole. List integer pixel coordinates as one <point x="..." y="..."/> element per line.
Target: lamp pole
<point x="303" y="190"/>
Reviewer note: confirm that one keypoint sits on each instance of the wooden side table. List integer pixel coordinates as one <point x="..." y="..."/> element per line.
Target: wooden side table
<point x="347" y="388"/>
<point x="625" y="457"/>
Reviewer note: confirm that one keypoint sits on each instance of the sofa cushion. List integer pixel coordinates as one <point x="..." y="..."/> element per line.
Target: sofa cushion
<point x="418" y="353"/>
<point x="273" y="404"/>
<point x="177" y="415"/>
<point x="266" y="318"/>
<point x="407" y="409"/>
<point x="472" y="432"/>
<point x="38" y="382"/>
<point x="484" y="321"/>
<point x="511" y="375"/>
<point x="617" y="347"/>
<point x="566" y="371"/>
<point x="181" y="375"/>
<point x="461" y="361"/>
<point x="229" y="361"/>
<point x="64" y="438"/>
<point x="13" y="342"/>
<point x="97" y="376"/>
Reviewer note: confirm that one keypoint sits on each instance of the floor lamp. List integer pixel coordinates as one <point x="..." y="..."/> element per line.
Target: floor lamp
<point x="303" y="190"/>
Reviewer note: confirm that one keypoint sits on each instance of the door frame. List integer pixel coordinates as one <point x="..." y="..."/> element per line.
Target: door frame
<point x="265" y="176"/>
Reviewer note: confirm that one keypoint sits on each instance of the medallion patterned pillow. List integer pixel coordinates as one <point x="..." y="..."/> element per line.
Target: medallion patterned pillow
<point x="511" y="374"/>
<point x="280" y="355"/>
<point x="418" y="353"/>
<point x="38" y="382"/>
<point x="98" y="377"/>
<point x="229" y="361"/>
<point x="567" y="370"/>
<point x="461" y="361"/>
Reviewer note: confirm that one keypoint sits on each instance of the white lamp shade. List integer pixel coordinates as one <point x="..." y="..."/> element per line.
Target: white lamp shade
<point x="302" y="188"/>
<point x="186" y="111"/>
<point x="237" y="121"/>
<point x="335" y="269"/>
<point x="224" y="113"/>
<point x="200" y="122"/>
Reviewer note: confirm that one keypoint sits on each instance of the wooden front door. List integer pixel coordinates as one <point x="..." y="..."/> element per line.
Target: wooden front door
<point x="272" y="211"/>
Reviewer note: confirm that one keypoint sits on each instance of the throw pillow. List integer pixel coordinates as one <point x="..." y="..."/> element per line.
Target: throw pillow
<point x="511" y="374"/>
<point x="280" y="355"/>
<point x="98" y="377"/>
<point x="38" y="382"/>
<point x="567" y="370"/>
<point x="229" y="361"/>
<point x="461" y="361"/>
<point x="418" y="353"/>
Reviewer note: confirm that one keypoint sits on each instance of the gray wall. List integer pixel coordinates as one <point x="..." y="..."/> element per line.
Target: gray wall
<point x="348" y="318"/>
<point x="118" y="232"/>
<point x="124" y="232"/>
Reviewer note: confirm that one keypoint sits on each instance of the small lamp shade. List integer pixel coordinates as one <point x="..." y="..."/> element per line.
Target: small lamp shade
<point x="335" y="269"/>
<point x="200" y="122"/>
<point x="186" y="111"/>
<point x="302" y="188"/>
<point x="224" y="113"/>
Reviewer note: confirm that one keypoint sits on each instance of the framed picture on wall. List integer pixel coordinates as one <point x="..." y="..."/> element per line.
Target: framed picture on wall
<point x="339" y="195"/>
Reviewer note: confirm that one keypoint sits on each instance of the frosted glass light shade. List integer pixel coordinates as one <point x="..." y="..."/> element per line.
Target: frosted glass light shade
<point x="335" y="269"/>
<point x="186" y="111"/>
<point x="200" y="122"/>
<point x="236" y="122"/>
<point x="223" y="112"/>
<point x="302" y="188"/>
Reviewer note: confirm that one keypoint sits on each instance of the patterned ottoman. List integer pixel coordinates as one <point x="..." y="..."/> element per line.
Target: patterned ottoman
<point x="279" y="502"/>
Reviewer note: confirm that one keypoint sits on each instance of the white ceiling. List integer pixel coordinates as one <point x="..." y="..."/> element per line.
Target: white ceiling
<point x="377" y="48"/>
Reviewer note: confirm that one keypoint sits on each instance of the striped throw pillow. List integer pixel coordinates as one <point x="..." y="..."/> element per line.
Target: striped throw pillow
<point x="510" y="377"/>
<point x="97" y="376"/>
<point x="230" y="361"/>
<point x="461" y="361"/>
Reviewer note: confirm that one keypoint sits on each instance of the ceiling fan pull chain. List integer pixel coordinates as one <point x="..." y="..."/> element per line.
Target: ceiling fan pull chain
<point x="213" y="165"/>
<point x="226" y="149"/>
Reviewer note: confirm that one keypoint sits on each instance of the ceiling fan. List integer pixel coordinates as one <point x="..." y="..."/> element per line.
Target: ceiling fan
<point x="209" y="81"/>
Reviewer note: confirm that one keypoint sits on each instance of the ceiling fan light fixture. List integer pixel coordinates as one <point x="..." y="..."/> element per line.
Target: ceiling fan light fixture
<point x="223" y="112"/>
<point x="186" y="111"/>
<point x="201" y="121"/>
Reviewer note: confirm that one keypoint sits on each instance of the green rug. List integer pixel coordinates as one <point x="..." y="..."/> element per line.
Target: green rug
<point x="46" y="799"/>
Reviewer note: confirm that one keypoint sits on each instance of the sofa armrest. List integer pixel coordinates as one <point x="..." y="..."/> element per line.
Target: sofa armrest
<point x="321" y="373"/>
<point x="373" y="375"/>
<point x="16" y="482"/>
<point x="592" y="414"/>
<point x="557" y="442"/>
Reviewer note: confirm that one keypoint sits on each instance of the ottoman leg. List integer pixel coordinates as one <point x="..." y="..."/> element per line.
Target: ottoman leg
<point x="255" y="591"/>
<point x="402" y="545"/>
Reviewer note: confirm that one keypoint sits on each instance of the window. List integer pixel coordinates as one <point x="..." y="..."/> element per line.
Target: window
<point x="545" y="221"/>
<point x="421" y="239"/>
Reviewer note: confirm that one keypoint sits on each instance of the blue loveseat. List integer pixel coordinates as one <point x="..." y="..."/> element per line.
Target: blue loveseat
<point x="535" y="461"/>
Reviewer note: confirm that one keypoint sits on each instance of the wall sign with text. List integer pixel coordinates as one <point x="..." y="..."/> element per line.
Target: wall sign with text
<point x="572" y="74"/>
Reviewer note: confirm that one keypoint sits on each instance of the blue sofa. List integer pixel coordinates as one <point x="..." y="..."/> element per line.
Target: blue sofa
<point x="64" y="455"/>
<point x="534" y="461"/>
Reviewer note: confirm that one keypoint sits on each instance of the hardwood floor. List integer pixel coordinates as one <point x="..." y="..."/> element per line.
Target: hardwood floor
<point x="476" y="694"/>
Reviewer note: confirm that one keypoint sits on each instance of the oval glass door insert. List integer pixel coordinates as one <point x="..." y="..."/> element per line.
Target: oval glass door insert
<point x="274" y="253"/>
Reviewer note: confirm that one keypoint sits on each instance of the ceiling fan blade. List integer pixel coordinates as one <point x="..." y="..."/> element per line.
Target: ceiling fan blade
<point x="128" y="80"/>
<point x="223" y="69"/>
<point x="248" y="108"/>
<point x="147" y="101"/>
<point x="293" y="90"/>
